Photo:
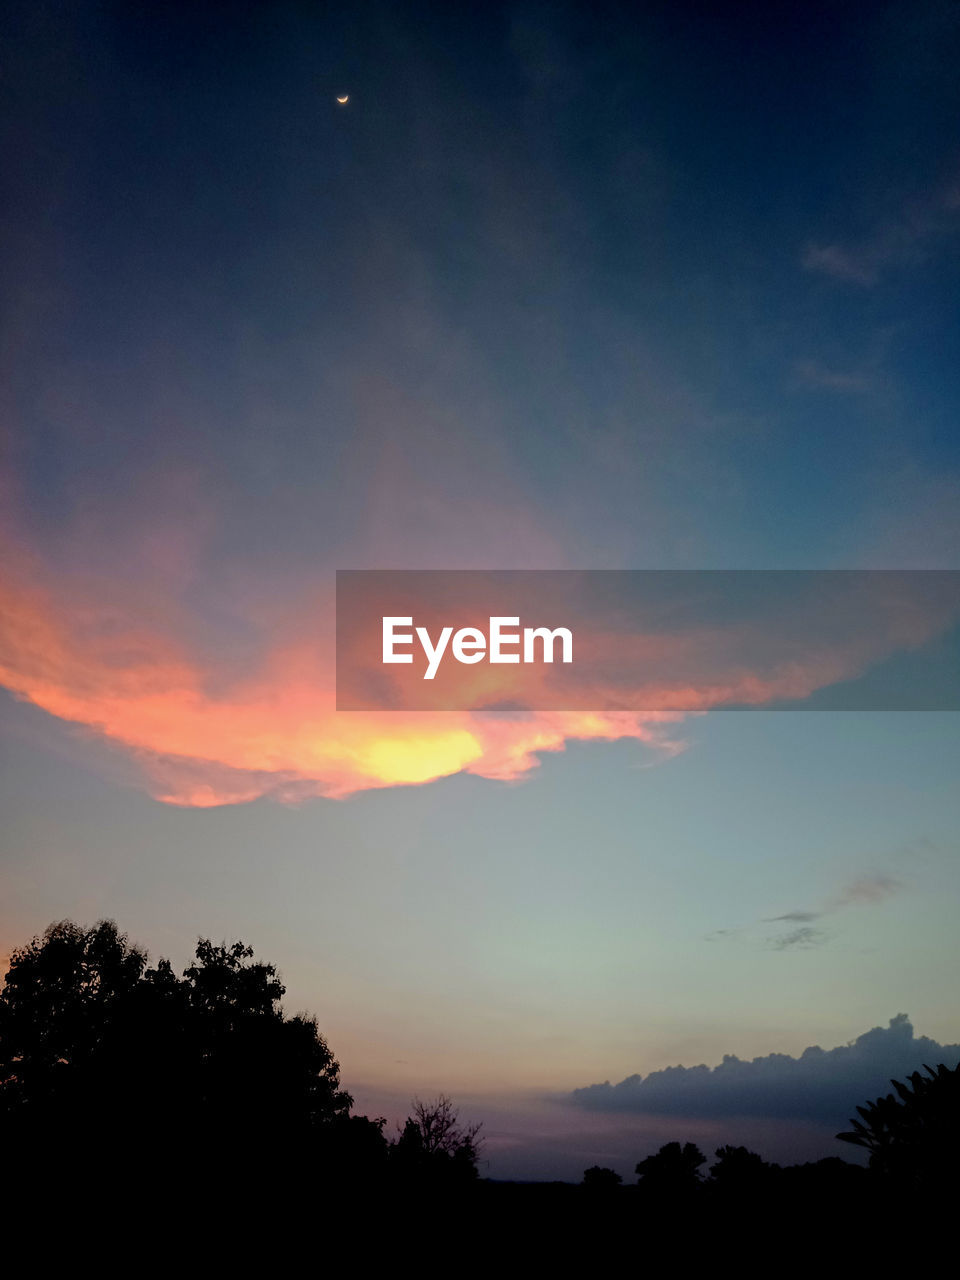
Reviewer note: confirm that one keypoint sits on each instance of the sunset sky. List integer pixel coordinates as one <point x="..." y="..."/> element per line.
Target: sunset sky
<point x="605" y="286"/>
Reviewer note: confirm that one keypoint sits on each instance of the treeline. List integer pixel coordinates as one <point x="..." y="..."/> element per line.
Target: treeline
<point x="138" y="1074"/>
<point x="104" y="1055"/>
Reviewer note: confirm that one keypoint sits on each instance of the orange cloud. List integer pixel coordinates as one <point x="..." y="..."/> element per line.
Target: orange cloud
<point x="208" y="731"/>
<point x="275" y="732"/>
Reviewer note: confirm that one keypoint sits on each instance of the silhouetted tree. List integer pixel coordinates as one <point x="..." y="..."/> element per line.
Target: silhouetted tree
<point x="98" y="1050"/>
<point x="913" y="1137"/>
<point x="674" y="1170"/>
<point x="599" y="1179"/>
<point x="67" y="1009"/>
<point x="738" y="1169"/>
<point x="433" y="1145"/>
<point x="277" y="1073"/>
<point x="352" y="1152"/>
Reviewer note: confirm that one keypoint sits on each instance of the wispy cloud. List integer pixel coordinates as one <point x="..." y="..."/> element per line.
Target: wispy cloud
<point x="867" y="890"/>
<point x="801" y="939"/>
<point x="842" y="264"/>
<point x="813" y="374"/>
<point x="911" y="237"/>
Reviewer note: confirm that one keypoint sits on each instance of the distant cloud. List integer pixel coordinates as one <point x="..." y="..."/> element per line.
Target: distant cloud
<point x="866" y="890"/>
<point x="909" y="237"/>
<point x="802" y="938"/>
<point x="842" y="264"/>
<point x="820" y="1085"/>
<point x="810" y="373"/>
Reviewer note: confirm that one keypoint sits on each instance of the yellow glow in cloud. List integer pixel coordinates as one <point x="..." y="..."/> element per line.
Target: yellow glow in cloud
<point x="275" y="732"/>
<point x="209" y="732"/>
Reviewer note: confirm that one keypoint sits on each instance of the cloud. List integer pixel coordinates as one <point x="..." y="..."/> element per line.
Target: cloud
<point x="205" y="734"/>
<point x="902" y="240"/>
<point x="822" y="1085"/>
<point x="227" y="703"/>
<point x="842" y="264"/>
<point x="803" y="938"/>
<point x="867" y="890"/>
<point x="811" y="373"/>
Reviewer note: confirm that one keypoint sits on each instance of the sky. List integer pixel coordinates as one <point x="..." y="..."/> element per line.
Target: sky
<point x="645" y="286"/>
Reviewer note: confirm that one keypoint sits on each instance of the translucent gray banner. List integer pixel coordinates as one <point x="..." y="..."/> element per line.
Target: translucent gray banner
<point x="510" y="641"/>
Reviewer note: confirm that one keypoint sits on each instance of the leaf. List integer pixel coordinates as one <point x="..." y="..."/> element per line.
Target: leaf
<point x="854" y="1138"/>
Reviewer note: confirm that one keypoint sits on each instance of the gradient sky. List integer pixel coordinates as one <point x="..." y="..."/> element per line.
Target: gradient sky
<point x="606" y="286"/>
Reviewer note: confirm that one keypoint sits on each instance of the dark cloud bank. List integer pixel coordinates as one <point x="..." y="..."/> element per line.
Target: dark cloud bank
<point x="822" y="1085"/>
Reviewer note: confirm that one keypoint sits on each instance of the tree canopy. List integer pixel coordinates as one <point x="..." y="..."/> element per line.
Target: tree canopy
<point x="673" y="1170"/>
<point x="434" y="1146"/>
<point x="96" y="1044"/>
<point x="913" y="1136"/>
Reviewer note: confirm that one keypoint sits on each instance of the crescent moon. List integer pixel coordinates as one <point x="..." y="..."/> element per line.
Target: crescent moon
<point x="345" y="98"/>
